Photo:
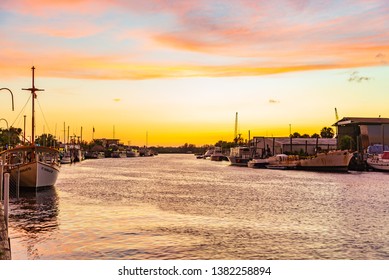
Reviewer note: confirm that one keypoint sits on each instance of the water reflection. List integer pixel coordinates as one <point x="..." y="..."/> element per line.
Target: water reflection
<point x="34" y="216"/>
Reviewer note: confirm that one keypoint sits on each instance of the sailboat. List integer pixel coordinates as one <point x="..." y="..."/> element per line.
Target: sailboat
<point x="34" y="166"/>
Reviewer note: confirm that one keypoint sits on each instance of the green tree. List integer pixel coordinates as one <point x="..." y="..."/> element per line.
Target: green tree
<point x="327" y="132"/>
<point x="315" y="135"/>
<point x="296" y="135"/>
<point x="238" y="140"/>
<point x="347" y="143"/>
<point x="10" y="136"/>
<point x="226" y="145"/>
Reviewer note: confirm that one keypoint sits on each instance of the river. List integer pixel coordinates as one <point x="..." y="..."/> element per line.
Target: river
<point x="179" y="207"/>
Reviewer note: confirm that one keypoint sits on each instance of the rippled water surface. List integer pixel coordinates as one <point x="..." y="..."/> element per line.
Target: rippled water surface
<point x="180" y="207"/>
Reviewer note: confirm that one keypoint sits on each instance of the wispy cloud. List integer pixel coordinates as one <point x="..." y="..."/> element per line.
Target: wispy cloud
<point x="356" y="77"/>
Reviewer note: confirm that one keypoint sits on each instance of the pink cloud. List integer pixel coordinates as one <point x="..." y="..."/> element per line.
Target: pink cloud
<point x="68" y="30"/>
<point x="281" y="36"/>
<point x="48" y="8"/>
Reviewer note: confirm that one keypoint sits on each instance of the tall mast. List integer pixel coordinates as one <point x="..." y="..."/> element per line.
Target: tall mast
<point x="33" y="89"/>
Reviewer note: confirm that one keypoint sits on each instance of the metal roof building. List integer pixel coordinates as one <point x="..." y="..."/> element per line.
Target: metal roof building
<point x="364" y="131"/>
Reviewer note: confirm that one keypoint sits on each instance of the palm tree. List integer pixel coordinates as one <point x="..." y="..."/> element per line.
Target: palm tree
<point x="46" y="140"/>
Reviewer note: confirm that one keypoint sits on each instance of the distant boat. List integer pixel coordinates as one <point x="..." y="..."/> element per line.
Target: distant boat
<point x="94" y="155"/>
<point x="67" y="158"/>
<point x="119" y="154"/>
<point x="218" y="155"/>
<point x="35" y="166"/>
<point x="379" y="162"/>
<point x="207" y="154"/>
<point x="132" y="153"/>
<point x="239" y="156"/>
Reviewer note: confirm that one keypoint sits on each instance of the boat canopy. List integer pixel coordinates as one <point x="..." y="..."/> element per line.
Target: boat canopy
<point x="376" y="149"/>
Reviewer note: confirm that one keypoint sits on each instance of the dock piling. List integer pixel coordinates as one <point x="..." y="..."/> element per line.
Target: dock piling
<point x="6" y="198"/>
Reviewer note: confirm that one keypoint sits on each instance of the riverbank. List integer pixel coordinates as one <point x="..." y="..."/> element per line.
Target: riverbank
<point x="5" y="252"/>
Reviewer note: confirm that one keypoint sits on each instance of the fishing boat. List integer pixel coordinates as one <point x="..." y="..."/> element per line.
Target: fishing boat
<point x="379" y="162"/>
<point x="332" y="161"/>
<point x="239" y="156"/>
<point x="35" y="166"/>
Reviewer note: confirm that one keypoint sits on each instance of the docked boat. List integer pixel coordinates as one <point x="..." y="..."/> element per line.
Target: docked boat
<point x="66" y="158"/>
<point x="34" y="166"/>
<point x="119" y="154"/>
<point x="258" y="162"/>
<point x="218" y="155"/>
<point x="282" y="161"/>
<point x="333" y="161"/>
<point x="239" y="156"/>
<point x="379" y="162"/>
<point x="132" y="153"/>
<point x="207" y="154"/>
<point x="94" y="155"/>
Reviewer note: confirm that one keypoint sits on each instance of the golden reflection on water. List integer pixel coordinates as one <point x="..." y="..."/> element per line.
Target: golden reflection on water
<point x="178" y="207"/>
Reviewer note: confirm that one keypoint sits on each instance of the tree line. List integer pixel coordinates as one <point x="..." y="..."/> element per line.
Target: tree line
<point x="13" y="136"/>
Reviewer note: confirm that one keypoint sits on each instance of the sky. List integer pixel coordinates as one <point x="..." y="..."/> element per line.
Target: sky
<point x="166" y="73"/>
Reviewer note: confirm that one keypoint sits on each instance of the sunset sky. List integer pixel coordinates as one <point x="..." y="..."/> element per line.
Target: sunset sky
<point x="180" y="70"/>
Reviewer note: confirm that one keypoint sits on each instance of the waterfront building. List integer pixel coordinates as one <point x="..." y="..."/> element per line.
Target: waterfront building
<point x="365" y="132"/>
<point x="263" y="147"/>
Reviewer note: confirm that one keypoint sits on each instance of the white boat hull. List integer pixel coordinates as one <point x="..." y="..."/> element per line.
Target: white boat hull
<point x="36" y="175"/>
<point x="238" y="161"/>
<point x="66" y="160"/>
<point x="379" y="166"/>
<point x="379" y="162"/>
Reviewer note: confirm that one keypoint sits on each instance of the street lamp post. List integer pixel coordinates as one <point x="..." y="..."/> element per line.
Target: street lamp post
<point x="12" y="95"/>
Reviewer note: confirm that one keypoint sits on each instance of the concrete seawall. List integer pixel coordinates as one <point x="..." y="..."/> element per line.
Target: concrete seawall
<point x="5" y="250"/>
